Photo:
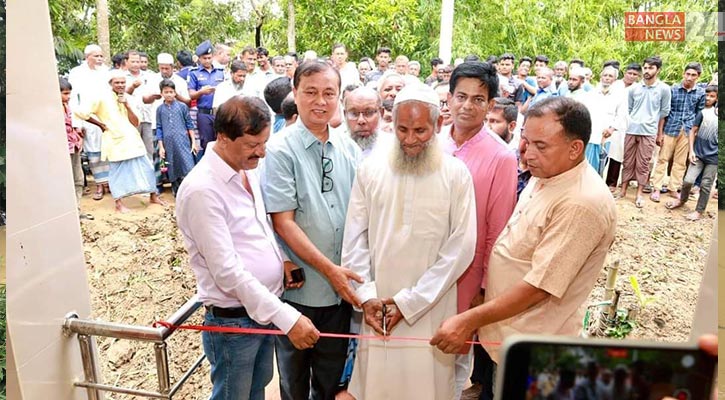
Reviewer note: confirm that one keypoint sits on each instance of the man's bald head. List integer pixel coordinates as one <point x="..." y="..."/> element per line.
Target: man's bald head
<point x="363" y="110"/>
<point x="363" y="93"/>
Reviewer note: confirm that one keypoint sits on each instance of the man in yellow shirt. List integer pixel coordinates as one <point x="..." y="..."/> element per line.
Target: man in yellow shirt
<point x="131" y="172"/>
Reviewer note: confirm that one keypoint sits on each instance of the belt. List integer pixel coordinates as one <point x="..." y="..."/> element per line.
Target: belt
<point x="206" y="111"/>
<point x="236" y="312"/>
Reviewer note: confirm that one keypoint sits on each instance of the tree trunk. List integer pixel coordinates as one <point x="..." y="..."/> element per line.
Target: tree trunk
<point x="104" y="37"/>
<point x="258" y="32"/>
<point x="291" y="33"/>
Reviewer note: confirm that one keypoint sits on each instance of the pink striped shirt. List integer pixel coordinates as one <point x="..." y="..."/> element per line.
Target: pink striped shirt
<point x="493" y="168"/>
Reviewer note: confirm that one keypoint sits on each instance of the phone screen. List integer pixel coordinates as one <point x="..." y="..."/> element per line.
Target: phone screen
<point x="539" y="370"/>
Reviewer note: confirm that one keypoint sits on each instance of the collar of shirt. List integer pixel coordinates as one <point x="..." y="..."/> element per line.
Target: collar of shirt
<point x="692" y="89"/>
<point x="219" y="166"/>
<point x="564" y="176"/>
<point x="308" y="139"/>
<point x="643" y="83"/>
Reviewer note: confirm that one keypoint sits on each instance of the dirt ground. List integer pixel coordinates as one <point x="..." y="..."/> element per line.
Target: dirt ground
<point x="138" y="273"/>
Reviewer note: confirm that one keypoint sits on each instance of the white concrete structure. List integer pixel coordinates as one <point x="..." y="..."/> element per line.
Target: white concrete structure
<point x="46" y="275"/>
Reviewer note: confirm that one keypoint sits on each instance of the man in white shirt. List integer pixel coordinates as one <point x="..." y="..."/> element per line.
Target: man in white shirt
<point x="89" y="81"/>
<point x="363" y="111"/>
<point x="238" y="265"/>
<point x="233" y="86"/>
<point x="410" y="234"/>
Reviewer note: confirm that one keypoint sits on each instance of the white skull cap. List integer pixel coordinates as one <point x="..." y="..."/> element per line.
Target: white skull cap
<point x="417" y="92"/>
<point x="165" y="58"/>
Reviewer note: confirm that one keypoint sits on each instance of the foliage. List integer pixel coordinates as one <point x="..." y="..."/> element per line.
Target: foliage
<point x="623" y="326"/>
<point x="593" y="31"/>
<point x="643" y="300"/>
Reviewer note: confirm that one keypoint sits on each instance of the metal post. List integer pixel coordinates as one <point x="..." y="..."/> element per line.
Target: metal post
<point x="89" y="365"/>
<point x="162" y="367"/>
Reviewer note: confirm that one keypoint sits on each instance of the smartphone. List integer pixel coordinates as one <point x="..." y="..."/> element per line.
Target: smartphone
<point x="298" y="275"/>
<point x="555" y="367"/>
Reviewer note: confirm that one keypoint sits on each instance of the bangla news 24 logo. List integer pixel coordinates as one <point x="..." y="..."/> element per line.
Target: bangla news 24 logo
<point x="669" y="26"/>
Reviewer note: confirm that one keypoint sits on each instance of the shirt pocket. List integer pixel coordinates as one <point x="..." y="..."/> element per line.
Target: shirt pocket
<point x="525" y="234"/>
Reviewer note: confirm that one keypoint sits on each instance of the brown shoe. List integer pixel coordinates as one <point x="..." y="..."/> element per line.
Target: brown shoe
<point x="472" y="393"/>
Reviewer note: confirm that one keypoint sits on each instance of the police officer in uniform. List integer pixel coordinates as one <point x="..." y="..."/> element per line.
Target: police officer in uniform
<point x="202" y="82"/>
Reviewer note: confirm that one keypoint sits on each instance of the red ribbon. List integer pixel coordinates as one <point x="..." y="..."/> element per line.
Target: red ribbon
<point x="277" y="332"/>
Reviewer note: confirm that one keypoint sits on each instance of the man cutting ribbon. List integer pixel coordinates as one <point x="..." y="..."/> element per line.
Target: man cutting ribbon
<point x="410" y="234"/>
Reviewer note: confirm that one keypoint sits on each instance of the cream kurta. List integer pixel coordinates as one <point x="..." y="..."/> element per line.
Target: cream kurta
<point x="410" y="238"/>
<point x="556" y="240"/>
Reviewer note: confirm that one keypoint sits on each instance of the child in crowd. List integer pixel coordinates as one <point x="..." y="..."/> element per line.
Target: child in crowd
<point x="175" y="133"/>
<point x="703" y="156"/>
<point x="75" y="144"/>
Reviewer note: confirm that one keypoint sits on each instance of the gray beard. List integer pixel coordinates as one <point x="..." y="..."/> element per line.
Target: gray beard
<point x="237" y="87"/>
<point x="427" y="161"/>
<point x="365" y="142"/>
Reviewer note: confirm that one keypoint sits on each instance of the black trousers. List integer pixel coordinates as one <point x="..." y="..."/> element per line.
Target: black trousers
<point x="483" y="372"/>
<point x="320" y="366"/>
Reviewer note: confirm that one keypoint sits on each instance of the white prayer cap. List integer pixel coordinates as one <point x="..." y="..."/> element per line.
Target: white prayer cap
<point x="165" y="58"/>
<point x="116" y="73"/>
<point x="577" y="71"/>
<point x="417" y="92"/>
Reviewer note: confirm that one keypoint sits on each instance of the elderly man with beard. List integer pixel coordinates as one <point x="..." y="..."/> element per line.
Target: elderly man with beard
<point x="231" y="87"/>
<point x="410" y="233"/>
<point x="492" y="165"/>
<point x="608" y="110"/>
<point x="86" y="79"/>
<point x="363" y="110"/>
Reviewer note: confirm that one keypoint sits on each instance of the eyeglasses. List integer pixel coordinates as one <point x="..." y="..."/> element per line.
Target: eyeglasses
<point x="354" y="115"/>
<point x="444" y="103"/>
<point x="327" y="183"/>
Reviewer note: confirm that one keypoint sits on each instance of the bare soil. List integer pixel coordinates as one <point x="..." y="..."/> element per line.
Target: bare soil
<point x="138" y="273"/>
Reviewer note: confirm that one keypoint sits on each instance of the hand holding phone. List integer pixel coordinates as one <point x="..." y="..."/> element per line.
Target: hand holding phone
<point x="615" y="369"/>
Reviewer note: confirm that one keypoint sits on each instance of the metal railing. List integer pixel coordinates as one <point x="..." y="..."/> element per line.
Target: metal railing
<point x="88" y="329"/>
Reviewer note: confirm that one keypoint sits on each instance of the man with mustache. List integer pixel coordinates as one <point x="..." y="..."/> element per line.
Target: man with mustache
<point x="238" y="264"/>
<point x="649" y="105"/>
<point x="410" y="233"/>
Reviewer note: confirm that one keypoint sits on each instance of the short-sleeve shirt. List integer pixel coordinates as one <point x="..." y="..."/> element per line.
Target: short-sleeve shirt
<point x="706" y="139"/>
<point x="200" y="77"/>
<point x="556" y="240"/>
<point x="293" y="181"/>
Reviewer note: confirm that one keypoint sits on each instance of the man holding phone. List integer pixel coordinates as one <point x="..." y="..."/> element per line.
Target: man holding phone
<point x="548" y="257"/>
<point x="238" y="264"/>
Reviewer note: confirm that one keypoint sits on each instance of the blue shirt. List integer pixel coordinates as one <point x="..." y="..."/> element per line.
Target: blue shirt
<point x="684" y="105"/>
<point x="293" y="172"/>
<point x="200" y="77"/>
<point x="542" y="94"/>
<point x="647" y="105"/>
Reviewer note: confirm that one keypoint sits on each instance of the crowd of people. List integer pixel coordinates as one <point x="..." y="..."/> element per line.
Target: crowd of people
<point x="319" y="195"/>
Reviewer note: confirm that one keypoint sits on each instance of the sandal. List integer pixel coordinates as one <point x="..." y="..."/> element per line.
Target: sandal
<point x="693" y="216"/>
<point x="671" y="205"/>
<point x="639" y="203"/>
<point x="88" y="217"/>
<point x="655" y="196"/>
<point x="98" y="195"/>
